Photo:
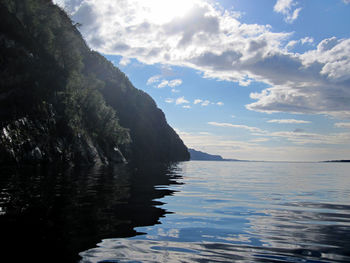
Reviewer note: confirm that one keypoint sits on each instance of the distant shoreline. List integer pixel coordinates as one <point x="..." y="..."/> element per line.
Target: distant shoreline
<point x="203" y="156"/>
<point x="337" y="161"/>
<point x="256" y="161"/>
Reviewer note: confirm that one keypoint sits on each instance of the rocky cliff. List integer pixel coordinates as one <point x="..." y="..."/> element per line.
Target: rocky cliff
<point x="61" y="101"/>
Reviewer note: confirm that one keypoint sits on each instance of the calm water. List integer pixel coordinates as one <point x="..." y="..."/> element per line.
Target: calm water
<point x="191" y="212"/>
<point x="50" y="214"/>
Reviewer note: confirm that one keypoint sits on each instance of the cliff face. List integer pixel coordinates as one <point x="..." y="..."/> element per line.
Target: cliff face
<point x="60" y="101"/>
<point x="152" y="137"/>
<point x="27" y="140"/>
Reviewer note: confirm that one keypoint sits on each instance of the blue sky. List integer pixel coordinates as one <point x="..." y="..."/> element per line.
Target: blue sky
<point x="246" y="79"/>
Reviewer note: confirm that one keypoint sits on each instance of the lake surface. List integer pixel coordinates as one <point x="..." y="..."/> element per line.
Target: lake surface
<point x="191" y="212"/>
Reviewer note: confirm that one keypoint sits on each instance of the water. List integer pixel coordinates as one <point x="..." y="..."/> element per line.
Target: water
<point x="50" y="214"/>
<point x="191" y="212"/>
<point x="244" y="212"/>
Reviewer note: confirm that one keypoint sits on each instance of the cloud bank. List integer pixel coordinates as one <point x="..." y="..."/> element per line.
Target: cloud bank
<point x="214" y="42"/>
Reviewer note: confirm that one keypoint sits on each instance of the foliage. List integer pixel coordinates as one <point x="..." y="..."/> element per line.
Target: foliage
<point x="44" y="60"/>
<point x="51" y="39"/>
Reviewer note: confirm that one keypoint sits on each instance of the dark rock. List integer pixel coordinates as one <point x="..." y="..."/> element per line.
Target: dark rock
<point x="53" y="86"/>
<point x="117" y="156"/>
<point x="37" y="155"/>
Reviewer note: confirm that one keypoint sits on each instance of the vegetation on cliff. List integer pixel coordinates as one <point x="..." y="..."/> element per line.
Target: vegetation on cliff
<point x="59" y="100"/>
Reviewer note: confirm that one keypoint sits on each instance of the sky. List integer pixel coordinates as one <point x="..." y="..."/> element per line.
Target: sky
<point x="246" y="79"/>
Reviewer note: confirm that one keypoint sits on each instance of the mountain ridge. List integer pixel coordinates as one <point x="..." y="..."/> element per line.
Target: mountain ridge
<point x="203" y="156"/>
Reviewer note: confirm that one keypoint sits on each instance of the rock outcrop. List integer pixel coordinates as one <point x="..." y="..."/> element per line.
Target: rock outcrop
<point x="61" y="101"/>
<point x="27" y="141"/>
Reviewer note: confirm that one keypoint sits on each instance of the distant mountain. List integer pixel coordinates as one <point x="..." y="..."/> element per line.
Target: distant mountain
<point x="202" y="156"/>
<point x="337" y="161"/>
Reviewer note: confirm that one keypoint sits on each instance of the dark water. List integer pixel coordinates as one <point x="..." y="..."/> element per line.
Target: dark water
<point x="50" y="214"/>
<point x="191" y="212"/>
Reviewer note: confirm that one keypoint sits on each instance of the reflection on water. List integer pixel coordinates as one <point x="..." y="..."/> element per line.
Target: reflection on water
<point x="191" y="212"/>
<point x="245" y="212"/>
<point x="50" y="215"/>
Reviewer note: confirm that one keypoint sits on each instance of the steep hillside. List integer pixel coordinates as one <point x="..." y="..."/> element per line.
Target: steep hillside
<point x="202" y="156"/>
<point x="152" y="137"/>
<point x="61" y="101"/>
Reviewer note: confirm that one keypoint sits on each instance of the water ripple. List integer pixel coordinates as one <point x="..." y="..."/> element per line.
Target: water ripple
<point x="117" y="250"/>
<point x="245" y="212"/>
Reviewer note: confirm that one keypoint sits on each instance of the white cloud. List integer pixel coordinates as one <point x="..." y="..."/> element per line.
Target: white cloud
<point x="174" y="83"/>
<point x="294" y="16"/>
<point x="306" y="40"/>
<point x="291" y="44"/>
<point x="282" y="5"/>
<point x="303" y="41"/>
<point x="297" y="137"/>
<point x="318" y="83"/>
<point x="257" y="140"/>
<point x="214" y="42"/>
<point x="342" y="125"/>
<point x="245" y="82"/>
<point x="289" y="121"/>
<point x="346" y="1"/>
<point x="205" y="34"/>
<point x="285" y="7"/>
<point x="124" y="61"/>
<point x="163" y="84"/>
<point x="205" y="103"/>
<point x="334" y="57"/>
<point x="230" y="125"/>
<point x="302" y="138"/>
<point x="181" y="100"/>
<point x="153" y="79"/>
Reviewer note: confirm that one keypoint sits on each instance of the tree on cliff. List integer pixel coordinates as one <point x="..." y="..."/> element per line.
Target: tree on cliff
<point x="48" y="71"/>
